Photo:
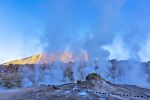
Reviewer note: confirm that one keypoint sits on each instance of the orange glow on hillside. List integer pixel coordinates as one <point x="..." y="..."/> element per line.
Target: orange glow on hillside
<point x="64" y="57"/>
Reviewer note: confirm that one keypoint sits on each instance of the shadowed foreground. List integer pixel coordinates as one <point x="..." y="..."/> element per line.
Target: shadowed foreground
<point x="94" y="88"/>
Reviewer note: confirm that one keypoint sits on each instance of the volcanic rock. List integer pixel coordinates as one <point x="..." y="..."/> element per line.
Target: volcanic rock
<point x="102" y="90"/>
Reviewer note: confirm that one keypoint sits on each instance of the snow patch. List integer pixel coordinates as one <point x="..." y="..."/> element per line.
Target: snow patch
<point x="82" y="93"/>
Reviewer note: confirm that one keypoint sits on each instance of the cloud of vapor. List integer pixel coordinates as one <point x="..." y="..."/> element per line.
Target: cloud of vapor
<point x="113" y="19"/>
<point x="144" y="50"/>
<point x="63" y="28"/>
<point x="119" y="46"/>
<point x="58" y="34"/>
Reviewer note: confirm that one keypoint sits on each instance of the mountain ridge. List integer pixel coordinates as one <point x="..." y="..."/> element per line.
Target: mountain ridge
<point x="28" y="60"/>
<point x="49" y="58"/>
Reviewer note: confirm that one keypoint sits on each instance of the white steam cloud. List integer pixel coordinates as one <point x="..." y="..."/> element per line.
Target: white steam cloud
<point x="112" y="35"/>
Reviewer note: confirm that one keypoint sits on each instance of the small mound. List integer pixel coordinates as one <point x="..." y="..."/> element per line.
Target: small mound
<point x="93" y="77"/>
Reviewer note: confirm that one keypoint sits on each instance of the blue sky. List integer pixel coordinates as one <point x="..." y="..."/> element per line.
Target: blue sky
<point x="29" y="26"/>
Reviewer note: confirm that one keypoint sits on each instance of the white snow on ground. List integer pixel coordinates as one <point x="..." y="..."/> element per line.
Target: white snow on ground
<point x="102" y="99"/>
<point x="82" y="93"/>
<point x="8" y="90"/>
<point x="5" y="94"/>
<point x="62" y="92"/>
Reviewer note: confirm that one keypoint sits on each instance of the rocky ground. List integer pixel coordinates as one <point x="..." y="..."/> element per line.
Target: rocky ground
<point x="94" y="88"/>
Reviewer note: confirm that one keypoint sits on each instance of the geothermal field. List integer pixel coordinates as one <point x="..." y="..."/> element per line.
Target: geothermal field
<point x="74" y="49"/>
<point x="67" y="79"/>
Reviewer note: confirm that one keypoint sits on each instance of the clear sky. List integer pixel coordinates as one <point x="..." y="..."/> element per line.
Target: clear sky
<point x="29" y="26"/>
